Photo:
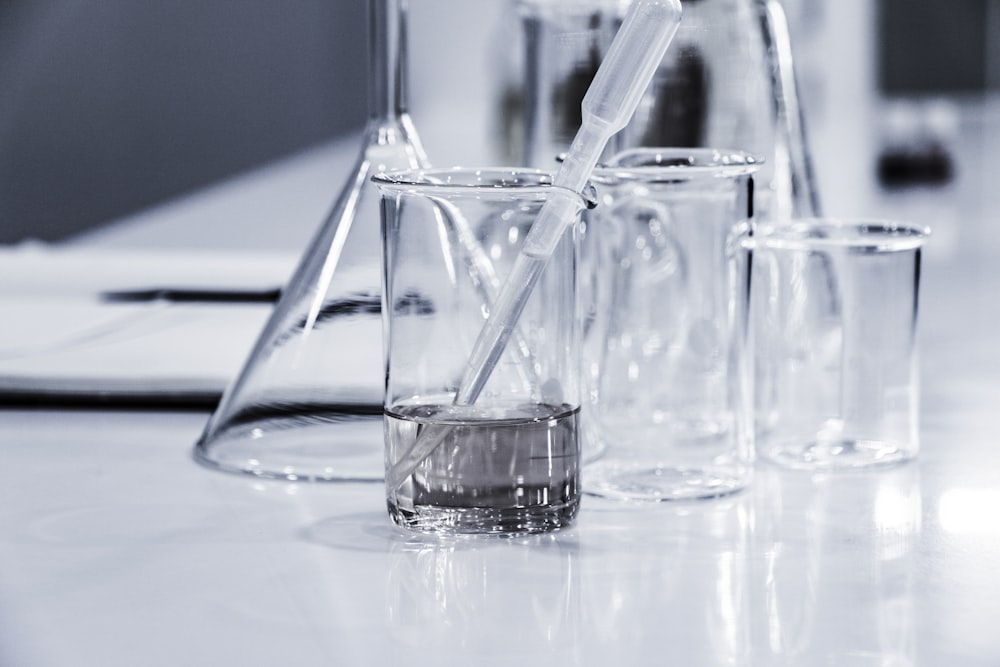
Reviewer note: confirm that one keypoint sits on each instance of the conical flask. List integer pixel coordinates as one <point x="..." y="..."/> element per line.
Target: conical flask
<point x="728" y="82"/>
<point x="307" y="404"/>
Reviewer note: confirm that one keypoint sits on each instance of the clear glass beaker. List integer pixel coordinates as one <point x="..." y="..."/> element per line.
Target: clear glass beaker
<point x="833" y="307"/>
<point x="307" y="404"/>
<point x="665" y="363"/>
<point x="509" y="461"/>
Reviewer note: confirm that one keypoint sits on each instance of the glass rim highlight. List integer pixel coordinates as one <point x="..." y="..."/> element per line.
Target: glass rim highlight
<point x="858" y="235"/>
<point x="676" y="164"/>
<point x="480" y="180"/>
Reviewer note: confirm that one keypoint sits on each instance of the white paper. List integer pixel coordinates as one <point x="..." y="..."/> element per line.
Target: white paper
<point x="60" y="338"/>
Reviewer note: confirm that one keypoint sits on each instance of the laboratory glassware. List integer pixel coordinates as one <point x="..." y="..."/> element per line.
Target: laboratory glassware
<point x="307" y="404"/>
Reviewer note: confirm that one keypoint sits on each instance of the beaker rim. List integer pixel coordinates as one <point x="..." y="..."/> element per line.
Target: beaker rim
<point x="671" y="163"/>
<point x="460" y="179"/>
<point x="858" y="235"/>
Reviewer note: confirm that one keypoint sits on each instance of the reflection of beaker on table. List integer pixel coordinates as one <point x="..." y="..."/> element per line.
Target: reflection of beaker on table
<point x="834" y="580"/>
<point x="308" y="401"/>
<point x="454" y="599"/>
<point x="671" y="578"/>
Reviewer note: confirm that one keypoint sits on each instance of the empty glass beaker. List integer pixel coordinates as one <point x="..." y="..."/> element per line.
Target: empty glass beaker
<point x="665" y="363"/>
<point x="307" y="404"/>
<point x="833" y="307"/>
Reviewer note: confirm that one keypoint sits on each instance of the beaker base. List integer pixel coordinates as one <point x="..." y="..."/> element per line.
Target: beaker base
<point x="656" y="483"/>
<point x="485" y="520"/>
<point x="846" y="454"/>
<point x="313" y="447"/>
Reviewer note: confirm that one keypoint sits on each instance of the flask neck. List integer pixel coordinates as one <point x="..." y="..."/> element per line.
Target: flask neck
<point x="387" y="59"/>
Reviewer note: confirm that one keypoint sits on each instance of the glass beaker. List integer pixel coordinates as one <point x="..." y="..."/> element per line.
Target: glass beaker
<point x="833" y="307"/>
<point x="509" y="461"/>
<point x="307" y="404"/>
<point x="665" y="361"/>
<point x="727" y="80"/>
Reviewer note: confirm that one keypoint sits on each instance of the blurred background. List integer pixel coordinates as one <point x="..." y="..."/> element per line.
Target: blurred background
<point x="108" y="107"/>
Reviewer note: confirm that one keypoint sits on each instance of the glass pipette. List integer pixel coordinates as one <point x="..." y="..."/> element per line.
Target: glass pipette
<point x="625" y="73"/>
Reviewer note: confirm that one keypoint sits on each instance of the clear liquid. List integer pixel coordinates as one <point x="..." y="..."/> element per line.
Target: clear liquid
<point x="511" y="474"/>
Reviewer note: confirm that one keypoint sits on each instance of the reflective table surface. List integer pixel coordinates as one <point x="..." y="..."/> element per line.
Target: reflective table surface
<point x="117" y="549"/>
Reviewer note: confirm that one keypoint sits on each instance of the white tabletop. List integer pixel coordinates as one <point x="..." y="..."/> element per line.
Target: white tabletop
<point x="117" y="549"/>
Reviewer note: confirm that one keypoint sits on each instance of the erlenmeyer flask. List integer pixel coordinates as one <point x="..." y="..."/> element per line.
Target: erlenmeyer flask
<point x="307" y="405"/>
<point x="727" y="82"/>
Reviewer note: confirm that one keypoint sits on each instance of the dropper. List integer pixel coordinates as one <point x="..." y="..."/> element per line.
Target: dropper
<point x="624" y="74"/>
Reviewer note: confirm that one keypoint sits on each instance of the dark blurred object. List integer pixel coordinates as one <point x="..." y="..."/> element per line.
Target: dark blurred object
<point x="933" y="46"/>
<point x="680" y="107"/>
<point x="917" y="165"/>
<point x="917" y="138"/>
<point x="109" y="106"/>
<point x="564" y="43"/>
<point x="567" y="95"/>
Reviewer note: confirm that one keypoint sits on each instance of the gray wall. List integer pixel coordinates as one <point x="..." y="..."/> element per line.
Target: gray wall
<point x="929" y="47"/>
<point x="107" y="106"/>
